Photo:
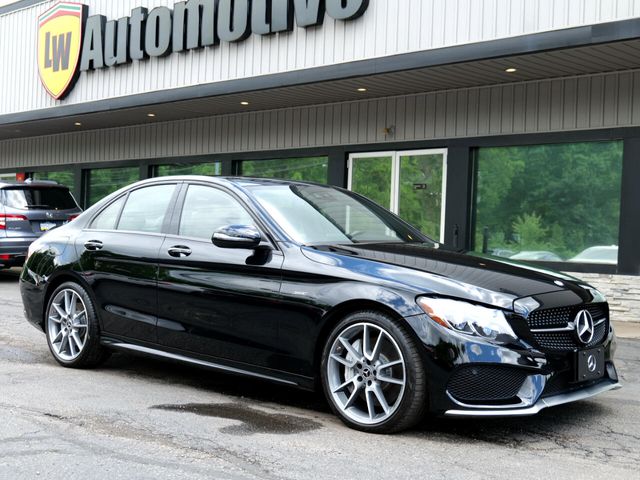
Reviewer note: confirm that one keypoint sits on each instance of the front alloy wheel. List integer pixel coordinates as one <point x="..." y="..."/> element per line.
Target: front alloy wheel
<point x="373" y="375"/>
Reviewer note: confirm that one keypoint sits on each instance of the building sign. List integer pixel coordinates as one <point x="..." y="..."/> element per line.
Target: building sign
<point x="69" y="42"/>
<point x="60" y="46"/>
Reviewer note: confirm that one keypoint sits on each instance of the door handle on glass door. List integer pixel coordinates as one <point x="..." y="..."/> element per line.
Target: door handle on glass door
<point x="179" y="251"/>
<point x="93" y="245"/>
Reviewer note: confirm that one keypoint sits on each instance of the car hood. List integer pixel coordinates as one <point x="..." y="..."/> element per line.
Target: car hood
<point x="479" y="278"/>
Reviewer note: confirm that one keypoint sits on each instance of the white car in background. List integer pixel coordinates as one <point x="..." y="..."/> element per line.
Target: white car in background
<point x="599" y="254"/>
<point x="541" y="256"/>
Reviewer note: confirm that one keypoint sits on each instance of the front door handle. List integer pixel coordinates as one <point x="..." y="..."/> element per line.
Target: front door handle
<point x="93" y="245"/>
<point x="179" y="251"/>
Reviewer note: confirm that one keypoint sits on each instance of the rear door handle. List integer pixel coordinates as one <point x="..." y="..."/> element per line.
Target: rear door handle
<point x="93" y="245"/>
<point x="179" y="251"/>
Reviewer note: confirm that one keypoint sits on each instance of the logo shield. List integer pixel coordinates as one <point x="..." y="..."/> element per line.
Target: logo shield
<point x="60" y="31"/>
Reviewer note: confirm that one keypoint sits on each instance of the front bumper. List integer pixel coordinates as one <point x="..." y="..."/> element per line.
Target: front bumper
<point x="542" y="403"/>
<point x="532" y="379"/>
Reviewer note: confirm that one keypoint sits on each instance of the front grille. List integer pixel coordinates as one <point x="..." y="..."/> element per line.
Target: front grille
<point x="566" y="341"/>
<point x="561" y="317"/>
<point x="476" y="384"/>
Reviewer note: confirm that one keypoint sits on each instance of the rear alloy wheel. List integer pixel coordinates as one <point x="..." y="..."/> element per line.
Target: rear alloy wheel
<point x="72" y="328"/>
<point x="373" y="375"/>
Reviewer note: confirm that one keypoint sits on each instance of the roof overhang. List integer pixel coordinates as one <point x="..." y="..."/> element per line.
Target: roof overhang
<point x="578" y="51"/>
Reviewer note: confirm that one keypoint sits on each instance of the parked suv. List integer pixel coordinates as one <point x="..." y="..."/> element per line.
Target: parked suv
<point x="27" y="211"/>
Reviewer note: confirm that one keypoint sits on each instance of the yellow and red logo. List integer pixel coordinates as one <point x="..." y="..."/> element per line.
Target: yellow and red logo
<point x="59" y="46"/>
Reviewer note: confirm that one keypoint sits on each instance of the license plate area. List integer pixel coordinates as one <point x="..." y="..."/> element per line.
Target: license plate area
<point x="590" y="364"/>
<point x="46" y="226"/>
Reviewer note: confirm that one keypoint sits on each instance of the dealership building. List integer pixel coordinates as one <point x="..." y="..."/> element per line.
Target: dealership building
<point x="509" y="127"/>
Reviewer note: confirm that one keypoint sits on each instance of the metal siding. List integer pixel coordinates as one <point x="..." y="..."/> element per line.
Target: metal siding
<point x="544" y="106"/>
<point x="597" y="98"/>
<point x="387" y="28"/>
<point x="624" y="94"/>
<point x="596" y="101"/>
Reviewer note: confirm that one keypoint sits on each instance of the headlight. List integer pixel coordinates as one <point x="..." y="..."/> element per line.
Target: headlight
<point x="467" y="318"/>
<point x="598" y="296"/>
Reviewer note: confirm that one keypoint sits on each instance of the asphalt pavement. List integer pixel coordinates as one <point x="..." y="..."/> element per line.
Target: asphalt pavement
<point x="137" y="418"/>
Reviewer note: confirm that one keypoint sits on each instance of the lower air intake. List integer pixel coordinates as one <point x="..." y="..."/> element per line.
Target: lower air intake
<point x="477" y="384"/>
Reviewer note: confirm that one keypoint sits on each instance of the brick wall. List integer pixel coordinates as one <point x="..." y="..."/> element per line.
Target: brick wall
<point x="623" y="294"/>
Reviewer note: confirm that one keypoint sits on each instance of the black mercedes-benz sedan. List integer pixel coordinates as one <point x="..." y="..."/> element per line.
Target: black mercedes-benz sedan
<point x="315" y="286"/>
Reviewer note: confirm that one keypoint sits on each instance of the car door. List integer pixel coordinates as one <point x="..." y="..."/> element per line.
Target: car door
<point x="119" y="258"/>
<point x="214" y="301"/>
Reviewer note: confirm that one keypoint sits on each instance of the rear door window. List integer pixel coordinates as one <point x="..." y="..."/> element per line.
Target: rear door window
<point x="39" y="198"/>
<point x="146" y="208"/>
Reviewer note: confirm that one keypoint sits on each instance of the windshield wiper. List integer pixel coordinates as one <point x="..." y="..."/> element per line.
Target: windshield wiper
<point x="38" y="207"/>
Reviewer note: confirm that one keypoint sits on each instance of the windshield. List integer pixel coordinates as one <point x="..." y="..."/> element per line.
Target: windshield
<point x="316" y="215"/>
<point x="35" y="198"/>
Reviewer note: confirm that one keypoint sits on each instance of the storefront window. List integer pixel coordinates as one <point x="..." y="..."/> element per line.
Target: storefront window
<point x="557" y="203"/>
<point x="103" y="181"/>
<point x="63" y="177"/>
<point x="310" y="169"/>
<point x="209" y="169"/>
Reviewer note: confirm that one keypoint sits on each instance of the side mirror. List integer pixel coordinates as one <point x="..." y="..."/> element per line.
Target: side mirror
<point x="237" y="236"/>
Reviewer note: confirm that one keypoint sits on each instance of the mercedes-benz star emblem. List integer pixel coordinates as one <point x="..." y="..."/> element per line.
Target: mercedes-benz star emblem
<point x="584" y="326"/>
<point x="592" y="363"/>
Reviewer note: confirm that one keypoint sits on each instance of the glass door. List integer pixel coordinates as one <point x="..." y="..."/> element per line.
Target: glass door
<point x="370" y="175"/>
<point x="409" y="183"/>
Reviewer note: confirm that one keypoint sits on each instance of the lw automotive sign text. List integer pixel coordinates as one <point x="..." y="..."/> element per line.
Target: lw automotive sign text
<point x="69" y="42"/>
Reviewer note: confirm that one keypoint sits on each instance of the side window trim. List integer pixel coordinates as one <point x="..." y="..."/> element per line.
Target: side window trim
<point x="176" y="213"/>
<point x="124" y="204"/>
<point x="173" y="207"/>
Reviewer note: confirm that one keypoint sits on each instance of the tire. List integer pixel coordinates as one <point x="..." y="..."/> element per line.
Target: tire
<point x="71" y="315"/>
<point x="354" y="383"/>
